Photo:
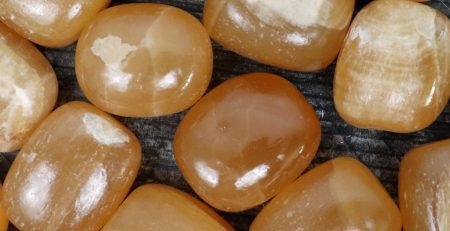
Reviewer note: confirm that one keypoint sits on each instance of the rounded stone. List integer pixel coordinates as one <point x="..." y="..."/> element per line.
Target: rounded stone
<point x="28" y="89"/>
<point x="160" y="65"/>
<point x="51" y="23"/>
<point x="163" y="208"/>
<point x="394" y="76"/>
<point x="341" y="194"/>
<point x="300" y="35"/>
<point x="73" y="172"/>
<point x="246" y="140"/>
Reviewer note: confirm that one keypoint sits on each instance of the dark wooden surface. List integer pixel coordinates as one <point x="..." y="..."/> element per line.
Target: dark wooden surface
<point x="381" y="151"/>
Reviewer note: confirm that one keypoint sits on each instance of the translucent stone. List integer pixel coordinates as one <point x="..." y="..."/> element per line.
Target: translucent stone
<point x="3" y="218"/>
<point x="394" y="76"/>
<point x="51" y="23"/>
<point x="73" y="172"/>
<point x="341" y="194"/>
<point x="159" y="65"/>
<point x="163" y="208"/>
<point x="245" y="140"/>
<point x="28" y="89"/>
<point x="424" y="188"/>
<point x="301" y="35"/>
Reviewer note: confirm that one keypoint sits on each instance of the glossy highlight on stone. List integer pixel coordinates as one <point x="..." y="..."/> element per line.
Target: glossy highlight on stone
<point x="142" y="60"/>
<point x="300" y="35"/>
<point x="73" y="172"/>
<point x="394" y="76"/>
<point x="245" y="140"/>
<point x="424" y="187"/>
<point x="163" y="208"/>
<point x="51" y="23"/>
<point x="28" y="89"/>
<point x="341" y="194"/>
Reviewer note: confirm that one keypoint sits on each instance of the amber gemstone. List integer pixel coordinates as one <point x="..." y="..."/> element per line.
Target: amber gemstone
<point x="341" y="194"/>
<point x="163" y="208"/>
<point x="424" y="188"/>
<point x="245" y="140"/>
<point x="3" y="218"/>
<point x="144" y="60"/>
<point x="73" y="172"/>
<point x="301" y="35"/>
<point x="28" y="89"/>
<point x="52" y="23"/>
<point x="394" y="76"/>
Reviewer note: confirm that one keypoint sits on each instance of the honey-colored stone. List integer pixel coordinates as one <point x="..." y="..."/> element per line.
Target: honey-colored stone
<point x="163" y="208"/>
<point x="341" y="194"/>
<point x="300" y="35"/>
<point x="145" y="59"/>
<point x="51" y="23"/>
<point x="245" y="140"/>
<point x="393" y="73"/>
<point x="3" y="218"/>
<point x="424" y="188"/>
<point x="73" y="172"/>
<point x="28" y="89"/>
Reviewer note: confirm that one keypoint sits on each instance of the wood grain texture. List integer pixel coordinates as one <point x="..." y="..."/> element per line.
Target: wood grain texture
<point x="381" y="151"/>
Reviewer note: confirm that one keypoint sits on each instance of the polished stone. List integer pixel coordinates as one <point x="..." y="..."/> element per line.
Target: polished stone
<point x="142" y="60"/>
<point x="246" y="140"/>
<point x="424" y="187"/>
<point x="28" y="89"/>
<point x="341" y="194"/>
<point x="73" y="172"/>
<point x="393" y="73"/>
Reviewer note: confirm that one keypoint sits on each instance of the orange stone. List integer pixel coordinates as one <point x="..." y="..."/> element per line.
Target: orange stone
<point x="73" y="172"/>
<point x="300" y="35"/>
<point x="51" y="23"/>
<point x="163" y="208"/>
<point x="246" y="140"/>
<point x="394" y="76"/>
<point x="28" y="89"/>
<point x="3" y="218"/>
<point x="141" y="60"/>
<point x="341" y="194"/>
<point x="424" y="187"/>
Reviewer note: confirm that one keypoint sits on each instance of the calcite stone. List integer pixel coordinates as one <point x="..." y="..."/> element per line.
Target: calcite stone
<point x="341" y="194"/>
<point x="28" y="89"/>
<point x="52" y="23"/>
<point x="145" y="59"/>
<point x="245" y="140"/>
<point x="163" y="208"/>
<point x="3" y="218"/>
<point x="73" y="172"/>
<point x="300" y="35"/>
<point x="424" y="187"/>
<point x="394" y="76"/>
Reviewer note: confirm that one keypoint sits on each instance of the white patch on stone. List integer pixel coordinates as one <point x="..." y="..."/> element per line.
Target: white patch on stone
<point x="207" y="174"/>
<point x="113" y="52"/>
<point x="30" y="157"/>
<point x="169" y="80"/>
<point x="252" y="177"/>
<point x="103" y="131"/>
<point x="298" y="39"/>
<point x="238" y="19"/>
<point x="43" y="12"/>
<point x="91" y="193"/>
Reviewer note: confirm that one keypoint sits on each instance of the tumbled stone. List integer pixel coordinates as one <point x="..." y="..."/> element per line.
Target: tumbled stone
<point x="424" y="187"/>
<point x="245" y="140"/>
<point x="28" y="89"/>
<point x="341" y="194"/>
<point x="393" y="73"/>
<point x="163" y="208"/>
<point x="73" y="172"/>
<point x="301" y="35"/>
<point x="51" y="23"/>
<point x="3" y="218"/>
<point x="143" y="60"/>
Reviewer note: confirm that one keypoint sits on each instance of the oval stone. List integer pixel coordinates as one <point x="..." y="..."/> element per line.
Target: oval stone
<point x="163" y="208"/>
<point x="393" y="73"/>
<point x="246" y="140"/>
<point x="341" y="194"/>
<point x="160" y="65"/>
<point x="28" y="89"/>
<point x="300" y="35"/>
<point x="73" y="172"/>
<point x="424" y="187"/>
<point x="51" y="23"/>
